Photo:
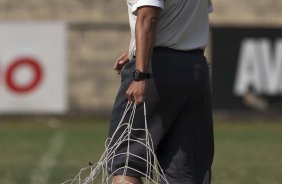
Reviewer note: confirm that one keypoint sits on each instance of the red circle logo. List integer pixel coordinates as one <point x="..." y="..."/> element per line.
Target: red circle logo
<point x="33" y="83"/>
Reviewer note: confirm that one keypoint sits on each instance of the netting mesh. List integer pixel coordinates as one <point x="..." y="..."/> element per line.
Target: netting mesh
<point x="98" y="173"/>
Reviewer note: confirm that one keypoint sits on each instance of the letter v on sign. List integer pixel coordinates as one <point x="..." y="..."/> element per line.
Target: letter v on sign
<point x="272" y="65"/>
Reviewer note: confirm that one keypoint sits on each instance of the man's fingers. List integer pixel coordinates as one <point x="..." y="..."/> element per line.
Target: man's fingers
<point x="129" y="95"/>
<point x="115" y="66"/>
<point x="118" y="65"/>
<point x="120" y="62"/>
<point x="120" y="57"/>
<point x="139" y="98"/>
<point x="134" y="98"/>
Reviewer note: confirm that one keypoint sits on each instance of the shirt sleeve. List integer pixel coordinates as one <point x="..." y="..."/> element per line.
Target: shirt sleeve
<point x="140" y="3"/>
<point x="211" y="9"/>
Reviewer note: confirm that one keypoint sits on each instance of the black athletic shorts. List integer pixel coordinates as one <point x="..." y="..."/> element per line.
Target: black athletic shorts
<point x="179" y="114"/>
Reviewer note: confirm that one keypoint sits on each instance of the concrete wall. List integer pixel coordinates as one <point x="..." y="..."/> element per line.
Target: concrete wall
<point x="247" y="12"/>
<point x="98" y="33"/>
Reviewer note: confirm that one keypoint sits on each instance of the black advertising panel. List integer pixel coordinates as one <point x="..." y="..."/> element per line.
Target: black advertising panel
<point x="247" y="68"/>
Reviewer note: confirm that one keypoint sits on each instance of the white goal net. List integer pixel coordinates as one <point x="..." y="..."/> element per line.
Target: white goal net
<point x="97" y="173"/>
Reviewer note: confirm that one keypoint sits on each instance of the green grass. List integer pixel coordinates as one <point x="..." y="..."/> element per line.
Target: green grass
<point x="246" y="153"/>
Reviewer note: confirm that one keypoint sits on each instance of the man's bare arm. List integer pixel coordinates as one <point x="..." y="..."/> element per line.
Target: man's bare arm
<point x="145" y="35"/>
<point x="145" y="38"/>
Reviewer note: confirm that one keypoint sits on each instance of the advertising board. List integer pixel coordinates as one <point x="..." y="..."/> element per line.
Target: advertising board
<point x="33" y="68"/>
<point x="247" y="68"/>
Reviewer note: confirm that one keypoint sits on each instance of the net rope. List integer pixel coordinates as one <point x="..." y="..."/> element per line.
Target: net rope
<point x="98" y="173"/>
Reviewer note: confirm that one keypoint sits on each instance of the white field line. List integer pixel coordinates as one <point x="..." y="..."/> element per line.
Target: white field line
<point x="48" y="160"/>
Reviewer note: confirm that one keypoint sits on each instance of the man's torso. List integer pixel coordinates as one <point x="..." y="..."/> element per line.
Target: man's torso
<point x="182" y="25"/>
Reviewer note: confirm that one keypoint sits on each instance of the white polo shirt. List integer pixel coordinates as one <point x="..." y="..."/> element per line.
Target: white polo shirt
<point x="182" y="25"/>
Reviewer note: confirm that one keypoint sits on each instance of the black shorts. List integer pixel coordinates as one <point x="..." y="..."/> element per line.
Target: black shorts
<point x="179" y="115"/>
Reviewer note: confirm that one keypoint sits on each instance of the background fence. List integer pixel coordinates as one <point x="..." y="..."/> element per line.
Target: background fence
<point x="98" y="32"/>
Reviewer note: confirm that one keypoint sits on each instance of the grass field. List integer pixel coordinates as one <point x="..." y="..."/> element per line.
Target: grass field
<point x="52" y="150"/>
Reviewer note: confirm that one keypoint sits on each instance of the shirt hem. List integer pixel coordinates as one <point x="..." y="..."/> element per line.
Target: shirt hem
<point x="141" y="3"/>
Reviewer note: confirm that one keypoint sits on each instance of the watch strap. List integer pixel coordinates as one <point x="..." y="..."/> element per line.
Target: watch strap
<point x="138" y="75"/>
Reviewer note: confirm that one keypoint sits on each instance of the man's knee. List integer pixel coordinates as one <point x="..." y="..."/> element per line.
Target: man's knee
<point x="126" y="180"/>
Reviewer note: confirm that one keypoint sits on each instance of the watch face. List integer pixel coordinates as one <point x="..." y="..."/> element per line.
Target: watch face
<point x="136" y="75"/>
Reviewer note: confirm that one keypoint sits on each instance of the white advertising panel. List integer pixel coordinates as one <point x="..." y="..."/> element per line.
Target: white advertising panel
<point x="33" y="68"/>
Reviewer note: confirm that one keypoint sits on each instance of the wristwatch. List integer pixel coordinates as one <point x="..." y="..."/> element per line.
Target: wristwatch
<point x="139" y="76"/>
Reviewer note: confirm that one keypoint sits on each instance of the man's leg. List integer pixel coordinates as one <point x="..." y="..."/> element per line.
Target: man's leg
<point x="126" y="180"/>
<point x="185" y="152"/>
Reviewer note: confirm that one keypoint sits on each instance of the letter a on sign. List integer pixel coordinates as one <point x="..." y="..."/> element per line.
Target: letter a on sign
<point x="248" y="71"/>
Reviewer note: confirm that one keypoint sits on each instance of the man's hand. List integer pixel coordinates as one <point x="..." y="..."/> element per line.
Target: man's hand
<point x="136" y="91"/>
<point x="120" y="62"/>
